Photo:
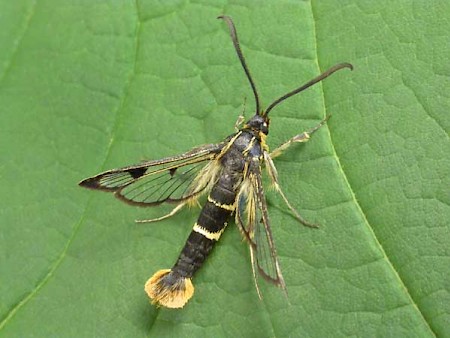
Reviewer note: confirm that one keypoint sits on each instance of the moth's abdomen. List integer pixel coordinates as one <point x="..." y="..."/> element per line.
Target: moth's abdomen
<point x="173" y="288"/>
<point x="169" y="289"/>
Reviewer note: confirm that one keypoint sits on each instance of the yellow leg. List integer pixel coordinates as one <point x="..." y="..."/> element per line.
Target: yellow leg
<point x="253" y="261"/>
<point x="173" y="212"/>
<point x="272" y="171"/>
<point x="300" y="138"/>
<point x="295" y="212"/>
<point x="241" y="118"/>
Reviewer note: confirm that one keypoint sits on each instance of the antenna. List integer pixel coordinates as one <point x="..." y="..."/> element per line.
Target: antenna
<point x="319" y="78"/>
<point x="235" y="40"/>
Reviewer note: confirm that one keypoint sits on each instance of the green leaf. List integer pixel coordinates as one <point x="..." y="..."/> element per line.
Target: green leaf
<point x="87" y="86"/>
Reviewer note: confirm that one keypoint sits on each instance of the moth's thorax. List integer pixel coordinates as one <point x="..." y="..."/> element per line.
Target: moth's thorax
<point x="249" y="143"/>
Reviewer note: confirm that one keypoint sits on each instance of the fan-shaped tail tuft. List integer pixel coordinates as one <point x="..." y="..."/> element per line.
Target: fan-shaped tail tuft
<point x="169" y="289"/>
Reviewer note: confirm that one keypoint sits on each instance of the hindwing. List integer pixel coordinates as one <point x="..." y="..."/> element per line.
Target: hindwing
<point x="253" y="220"/>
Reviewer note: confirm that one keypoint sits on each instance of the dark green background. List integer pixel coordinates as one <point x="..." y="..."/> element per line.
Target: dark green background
<point x="89" y="85"/>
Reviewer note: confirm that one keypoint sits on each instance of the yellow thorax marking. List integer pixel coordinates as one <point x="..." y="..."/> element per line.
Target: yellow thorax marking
<point x="264" y="145"/>
<point x="250" y="146"/>
<point x="229" y="207"/>
<point x="208" y="234"/>
<point x="229" y="144"/>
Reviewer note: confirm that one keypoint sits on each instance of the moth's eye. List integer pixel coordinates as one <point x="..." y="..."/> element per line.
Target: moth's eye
<point x="264" y="124"/>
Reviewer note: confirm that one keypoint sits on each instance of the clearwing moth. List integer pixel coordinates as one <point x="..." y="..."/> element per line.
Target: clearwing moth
<point x="230" y="173"/>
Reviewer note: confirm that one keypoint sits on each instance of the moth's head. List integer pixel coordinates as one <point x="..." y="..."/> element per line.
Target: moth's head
<point x="258" y="123"/>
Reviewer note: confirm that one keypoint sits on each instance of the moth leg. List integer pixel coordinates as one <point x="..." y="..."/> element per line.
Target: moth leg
<point x="272" y="171"/>
<point x="170" y="214"/>
<point x="295" y="212"/>
<point x="300" y="138"/>
<point x="241" y="118"/>
<point x="255" y="278"/>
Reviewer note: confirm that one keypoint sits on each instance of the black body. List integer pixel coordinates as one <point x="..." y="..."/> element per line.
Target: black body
<point x="231" y="172"/>
<point x="213" y="217"/>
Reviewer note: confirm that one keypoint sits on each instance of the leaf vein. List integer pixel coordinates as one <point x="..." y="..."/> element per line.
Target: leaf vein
<point x="118" y="112"/>
<point x="18" y="41"/>
<point x="352" y="192"/>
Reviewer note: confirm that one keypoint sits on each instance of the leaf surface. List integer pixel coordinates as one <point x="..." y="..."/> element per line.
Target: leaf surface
<point x="89" y="86"/>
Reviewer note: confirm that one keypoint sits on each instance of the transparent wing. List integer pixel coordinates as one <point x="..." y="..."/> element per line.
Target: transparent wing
<point x="253" y="221"/>
<point x="172" y="179"/>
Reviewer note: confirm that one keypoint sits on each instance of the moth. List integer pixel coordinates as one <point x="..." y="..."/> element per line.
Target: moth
<point x="229" y="172"/>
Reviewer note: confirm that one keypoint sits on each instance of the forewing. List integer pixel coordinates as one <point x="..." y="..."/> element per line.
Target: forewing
<point x="253" y="220"/>
<point x="171" y="179"/>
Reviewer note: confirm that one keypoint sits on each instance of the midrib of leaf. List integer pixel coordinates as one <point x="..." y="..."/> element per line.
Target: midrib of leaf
<point x="118" y="113"/>
<point x="352" y="193"/>
<point x="18" y="42"/>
